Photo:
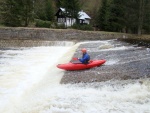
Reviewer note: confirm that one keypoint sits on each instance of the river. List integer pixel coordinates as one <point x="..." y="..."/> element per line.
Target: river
<point x="30" y="83"/>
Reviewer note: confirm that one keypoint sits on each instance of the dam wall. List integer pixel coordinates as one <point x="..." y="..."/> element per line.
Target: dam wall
<point x="21" y="33"/>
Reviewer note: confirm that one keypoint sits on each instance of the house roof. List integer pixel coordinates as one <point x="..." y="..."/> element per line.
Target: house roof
<point x="63" y="9"/>
<point x="82" y="15"/>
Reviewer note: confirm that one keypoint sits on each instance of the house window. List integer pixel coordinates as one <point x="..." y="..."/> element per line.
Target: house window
<point x="80" y="21"/>
<point x="61" y="20"/>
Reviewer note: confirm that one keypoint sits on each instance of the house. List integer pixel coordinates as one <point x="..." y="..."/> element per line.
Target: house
<point x="68" y="21"/>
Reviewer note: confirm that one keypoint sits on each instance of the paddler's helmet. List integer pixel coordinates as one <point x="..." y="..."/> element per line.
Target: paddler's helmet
<point x="83" y="50"/>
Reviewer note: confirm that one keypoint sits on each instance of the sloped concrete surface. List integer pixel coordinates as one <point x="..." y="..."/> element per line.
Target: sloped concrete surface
<point x="124" y="61"/>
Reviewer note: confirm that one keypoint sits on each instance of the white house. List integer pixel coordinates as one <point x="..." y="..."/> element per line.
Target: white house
<point x="67" y="21"/>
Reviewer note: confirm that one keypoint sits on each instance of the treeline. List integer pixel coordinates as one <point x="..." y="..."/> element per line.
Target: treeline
<point x="130" y="16"/>
<point x="24" y="12"/>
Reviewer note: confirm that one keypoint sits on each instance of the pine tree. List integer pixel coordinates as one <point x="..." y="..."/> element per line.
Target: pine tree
<point x="44" y="10"/>
<point x="143" y="15"/>
<point x="49" y="10"/>
<point x="17" y="12"/>
<point x="146" y="23"/>
<point x="27" y="12"/>
<point x="11" y="13"/>
<point x="117" y="14"/>
<point x="104" y="15"/>
<point x="137" y="12"/>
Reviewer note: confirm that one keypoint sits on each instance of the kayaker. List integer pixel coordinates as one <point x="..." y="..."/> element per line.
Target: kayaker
<point x="85" y="57"/>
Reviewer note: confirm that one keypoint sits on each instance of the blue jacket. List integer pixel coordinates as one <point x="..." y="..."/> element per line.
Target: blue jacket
<point x="85" y="58"/>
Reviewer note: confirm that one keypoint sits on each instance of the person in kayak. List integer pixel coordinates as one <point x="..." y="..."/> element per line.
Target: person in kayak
<point x="85" y="57"/>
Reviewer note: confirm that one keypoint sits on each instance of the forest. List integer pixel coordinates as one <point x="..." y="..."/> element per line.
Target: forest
<point x="127" y="16"/>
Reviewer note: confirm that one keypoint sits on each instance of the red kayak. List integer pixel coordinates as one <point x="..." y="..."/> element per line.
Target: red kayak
<point x="79" y="66"/>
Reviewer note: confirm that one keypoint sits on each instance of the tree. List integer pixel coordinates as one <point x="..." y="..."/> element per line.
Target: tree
<point x="137" y="15"/>
<point x="143" y="15"/>
<point x="17" y="12"/>
<point x="59" y="3"/>
<point x="27" y="12"/>
<point x="104" y="15"/>
<point x="140" y="16"/>
<point x="11" y="13"/>
<point x="146" y="21"/>
<point x="72" y="8"/>
<point x="49" y="10"/>
<point x="117" y="14"/>
<point x="131" y="16"/>
<point x="44" y="10"/>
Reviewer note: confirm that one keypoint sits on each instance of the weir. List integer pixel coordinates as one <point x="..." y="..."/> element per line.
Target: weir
<point x="30" y="81"/>
<point x="33" y="43"/>
<point x="26" y="66"/>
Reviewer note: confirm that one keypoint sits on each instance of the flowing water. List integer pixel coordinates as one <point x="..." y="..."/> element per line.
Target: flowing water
<point x="29" y="83"/>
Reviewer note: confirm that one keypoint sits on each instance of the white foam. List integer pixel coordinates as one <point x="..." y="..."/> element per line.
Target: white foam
<point x="24" y="69"/>
<point x="29" y="83"/>
<point x="112" y="96"/>
<point x="117" y="48"/>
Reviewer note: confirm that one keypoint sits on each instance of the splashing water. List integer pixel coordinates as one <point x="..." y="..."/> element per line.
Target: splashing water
<point x="29" y="83"/>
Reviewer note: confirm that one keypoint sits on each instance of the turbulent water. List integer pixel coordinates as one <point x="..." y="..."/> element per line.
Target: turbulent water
<point x="29" y="83"/>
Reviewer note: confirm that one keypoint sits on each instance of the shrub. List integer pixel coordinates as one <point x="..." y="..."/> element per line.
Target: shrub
<point x="83" y="27"/>
<point x="41" y="23"/>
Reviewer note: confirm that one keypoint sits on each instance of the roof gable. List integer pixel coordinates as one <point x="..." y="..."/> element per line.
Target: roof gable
<point x="83" y="15"/>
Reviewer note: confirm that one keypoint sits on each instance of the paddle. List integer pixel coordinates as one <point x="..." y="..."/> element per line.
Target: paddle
<point x="75" y="58"/>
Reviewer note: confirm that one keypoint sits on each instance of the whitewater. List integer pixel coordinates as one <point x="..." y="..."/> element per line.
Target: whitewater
<point x="30" y="83"/>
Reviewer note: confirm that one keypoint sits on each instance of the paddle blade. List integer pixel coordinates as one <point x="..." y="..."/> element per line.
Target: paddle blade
<point x="74" y="58"/>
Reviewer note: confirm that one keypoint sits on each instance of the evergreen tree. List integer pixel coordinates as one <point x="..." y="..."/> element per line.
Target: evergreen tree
<point x="27" y="12"/>
<point x="1" y="6"/>
<point x="137" y="12"/>
<point x="17" y="12"/>
<point x="131" y="16"/>
<point x="59" y="3"/>
<point x="146" y="23"/>
<point x="39" y="9"/>
<point x="104" y="15"/>
<point x="44" y="10"/>
<point x="11" y="13"/>
<point x="117" y="14"/>
<point x="49" y="10"/>
<point x="143" y="15"/>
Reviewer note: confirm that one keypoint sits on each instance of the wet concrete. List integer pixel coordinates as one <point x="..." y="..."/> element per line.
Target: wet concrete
<point x="124" y="61"/>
